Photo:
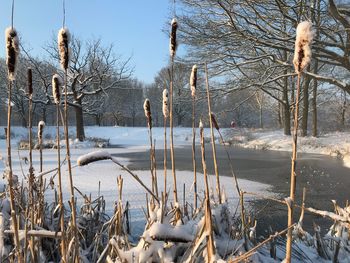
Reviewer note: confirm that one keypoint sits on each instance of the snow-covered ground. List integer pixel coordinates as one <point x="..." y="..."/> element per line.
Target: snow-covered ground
<point x="87" y="178"/>
<point x="336" y="144"/>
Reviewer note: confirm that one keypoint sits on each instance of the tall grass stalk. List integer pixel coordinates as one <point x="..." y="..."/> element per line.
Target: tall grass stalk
<point x="63" y="47"/>
<point x="208" y="218"/>
<point x="218" y="189"/>
<point x="173" y="45"/>
<point x="165" y="117"/>
<point x="193" y="84"/>
<point x="217" y="127"/>
<point x="302" y="57"/>
<point x="148" y="115"/>
<point x="56" y="86"/>
<point x="12" y="50"/>
<point x="31" y="180"/>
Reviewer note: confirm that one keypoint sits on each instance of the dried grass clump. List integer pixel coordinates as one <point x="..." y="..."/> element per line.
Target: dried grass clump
<point x="56" y="85"/>
<point x="193" y="80"/>
<point x="302" y="52"/>
<point x="173" y="41"/>
<point x="63" y="48"/>
<point x="12" y="51"/>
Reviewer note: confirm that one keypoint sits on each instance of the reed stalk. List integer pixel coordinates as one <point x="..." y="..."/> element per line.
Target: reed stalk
<point x="227" y="153"/>
<point x="208" y="218"/>
<point x="173" y="45"/>
<point x="12" y="51"/>
<point x="193" y="84"/>
<point x="31" y="169"/>
<point x="56" y="86"/>
<point x="165" y="117"/>
<point x="218" y="189"/>
<point x="302" y="57"/>
<point x="148" y="115"/>
<point x="63" y="47"/>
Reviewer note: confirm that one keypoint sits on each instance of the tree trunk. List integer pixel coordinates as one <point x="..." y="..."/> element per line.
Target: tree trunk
<point x="261" y="117"/>
<point x="43" y="116"/>
<point x="79" y="119"/>
<point x="24" y="122"/>
<point x="286" y="109"/>
<point x="305" y="113"/>
<point x="279" y="115"/>
<point x="343" y="111"/>
<point x="98" y="120"/>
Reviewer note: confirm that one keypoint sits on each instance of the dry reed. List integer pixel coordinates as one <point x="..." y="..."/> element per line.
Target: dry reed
<point x="302" y="57"/>
<point x="12" y="51"/>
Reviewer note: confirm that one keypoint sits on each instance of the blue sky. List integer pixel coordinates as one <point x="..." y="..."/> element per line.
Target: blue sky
<point x="133" y="26"/>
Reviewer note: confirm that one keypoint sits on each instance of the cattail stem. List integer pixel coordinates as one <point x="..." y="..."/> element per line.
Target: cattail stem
<point x="293" y="172"/>
<point x="71" y="185"/>
<point x="194" y="151"/>
<point x="165" y="157"/>
<point x="208" y="219"/>
<point x="230" y="163"/>
<point x="10" y="178"/>
<point x="171" y="122"/>
<point x="218" y="190"/>
<point x="60" y="194"/>
<point x="31" y="170"/>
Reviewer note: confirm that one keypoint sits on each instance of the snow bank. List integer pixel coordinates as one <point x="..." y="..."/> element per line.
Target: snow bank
<point x="335" y="144"/>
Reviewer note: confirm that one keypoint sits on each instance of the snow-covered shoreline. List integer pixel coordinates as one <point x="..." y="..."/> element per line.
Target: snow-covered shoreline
<point x="336" y="144"/>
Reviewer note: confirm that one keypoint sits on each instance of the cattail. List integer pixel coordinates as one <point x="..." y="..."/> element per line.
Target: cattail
<point x="63" y="49"/>
<point x="165" y="103"/>
<point x="147" y="109"/>
<point x="93" y="157"/>
<point x="56" y="84"/>
<point x="302" y="52"/>
<point x="200" y="124"/>
<point x="30" y="81"/>
<point x="193" y="80"/>
<point x="173" y="42"/>
<point x="214" y="121"/>
<point x="41" y="126"/>
<point x="12" y="51"/>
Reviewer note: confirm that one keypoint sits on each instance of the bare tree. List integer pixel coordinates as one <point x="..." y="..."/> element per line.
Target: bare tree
<point x="93" y="70"/>
<point x="252" y="43"/>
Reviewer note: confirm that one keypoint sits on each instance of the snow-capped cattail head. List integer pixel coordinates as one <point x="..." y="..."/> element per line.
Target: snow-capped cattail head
<point x="214" y="121"/>
<point x="12" y="51"/>
<point x="41" y="126"/>
<point x="201" y="124"/>
<point x="193" y="80"/>
<point x="302" y="52"/>
<point x="165" y="103"/>
<point x="30" y="81"/>
<point x="173" y="42"/>
<point x="93" y="157"/>
<point x="63" y="47"/>
<point x="56" y="85"/>
<point x="147" y="109"/>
